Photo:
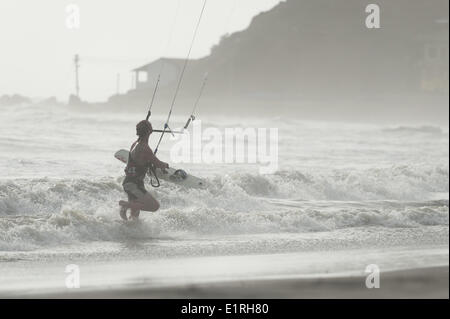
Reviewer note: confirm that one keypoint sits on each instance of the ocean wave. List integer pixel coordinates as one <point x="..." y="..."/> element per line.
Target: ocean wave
<point x="426" y="129"/>
<point x="239" y="190"/>
<point x="71" y="226"/>
<point x="397" y="183"/>
<point x="44" y="212"/>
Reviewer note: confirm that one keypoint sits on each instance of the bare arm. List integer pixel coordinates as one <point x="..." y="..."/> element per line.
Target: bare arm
<point x="151" y="157"/>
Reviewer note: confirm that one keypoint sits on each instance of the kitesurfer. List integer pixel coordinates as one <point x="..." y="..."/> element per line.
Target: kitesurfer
<point x="140" y="159"/>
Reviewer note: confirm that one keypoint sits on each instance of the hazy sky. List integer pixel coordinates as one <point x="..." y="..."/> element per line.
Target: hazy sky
<point x="114" y="36"/>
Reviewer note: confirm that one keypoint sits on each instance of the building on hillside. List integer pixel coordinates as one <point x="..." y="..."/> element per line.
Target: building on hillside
<point x="146" y="76"/>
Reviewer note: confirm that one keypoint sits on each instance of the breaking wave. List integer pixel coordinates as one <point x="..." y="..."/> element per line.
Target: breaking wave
<point x="408" y="183"/>
<point x="44" y="212"/>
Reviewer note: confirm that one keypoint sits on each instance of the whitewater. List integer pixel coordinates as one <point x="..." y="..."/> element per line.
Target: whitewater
<point x="345" y="195"/>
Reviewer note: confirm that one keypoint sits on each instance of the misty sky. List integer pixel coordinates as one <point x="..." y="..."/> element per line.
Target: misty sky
<point x="114" y="36"/>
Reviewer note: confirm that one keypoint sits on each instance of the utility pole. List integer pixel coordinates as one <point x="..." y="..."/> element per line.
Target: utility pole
<point x="76" y="60"/>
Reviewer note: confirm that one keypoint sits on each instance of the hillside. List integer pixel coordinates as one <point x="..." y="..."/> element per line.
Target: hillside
<point x="312" y="57"/>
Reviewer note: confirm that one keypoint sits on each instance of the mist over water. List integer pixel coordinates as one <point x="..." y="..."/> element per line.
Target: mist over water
<point x="358" y="111"/>
<point x="60" y="184"/>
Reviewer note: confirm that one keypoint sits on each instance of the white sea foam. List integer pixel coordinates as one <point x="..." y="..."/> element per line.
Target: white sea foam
<point x="59" y="182"/>
<point x="48" y="212"/>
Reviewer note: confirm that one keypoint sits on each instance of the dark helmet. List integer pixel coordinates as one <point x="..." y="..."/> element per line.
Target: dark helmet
<point x="143" y="128"/>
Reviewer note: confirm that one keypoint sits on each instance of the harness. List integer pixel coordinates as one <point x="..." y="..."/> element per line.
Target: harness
<point x="136" y="173"/>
